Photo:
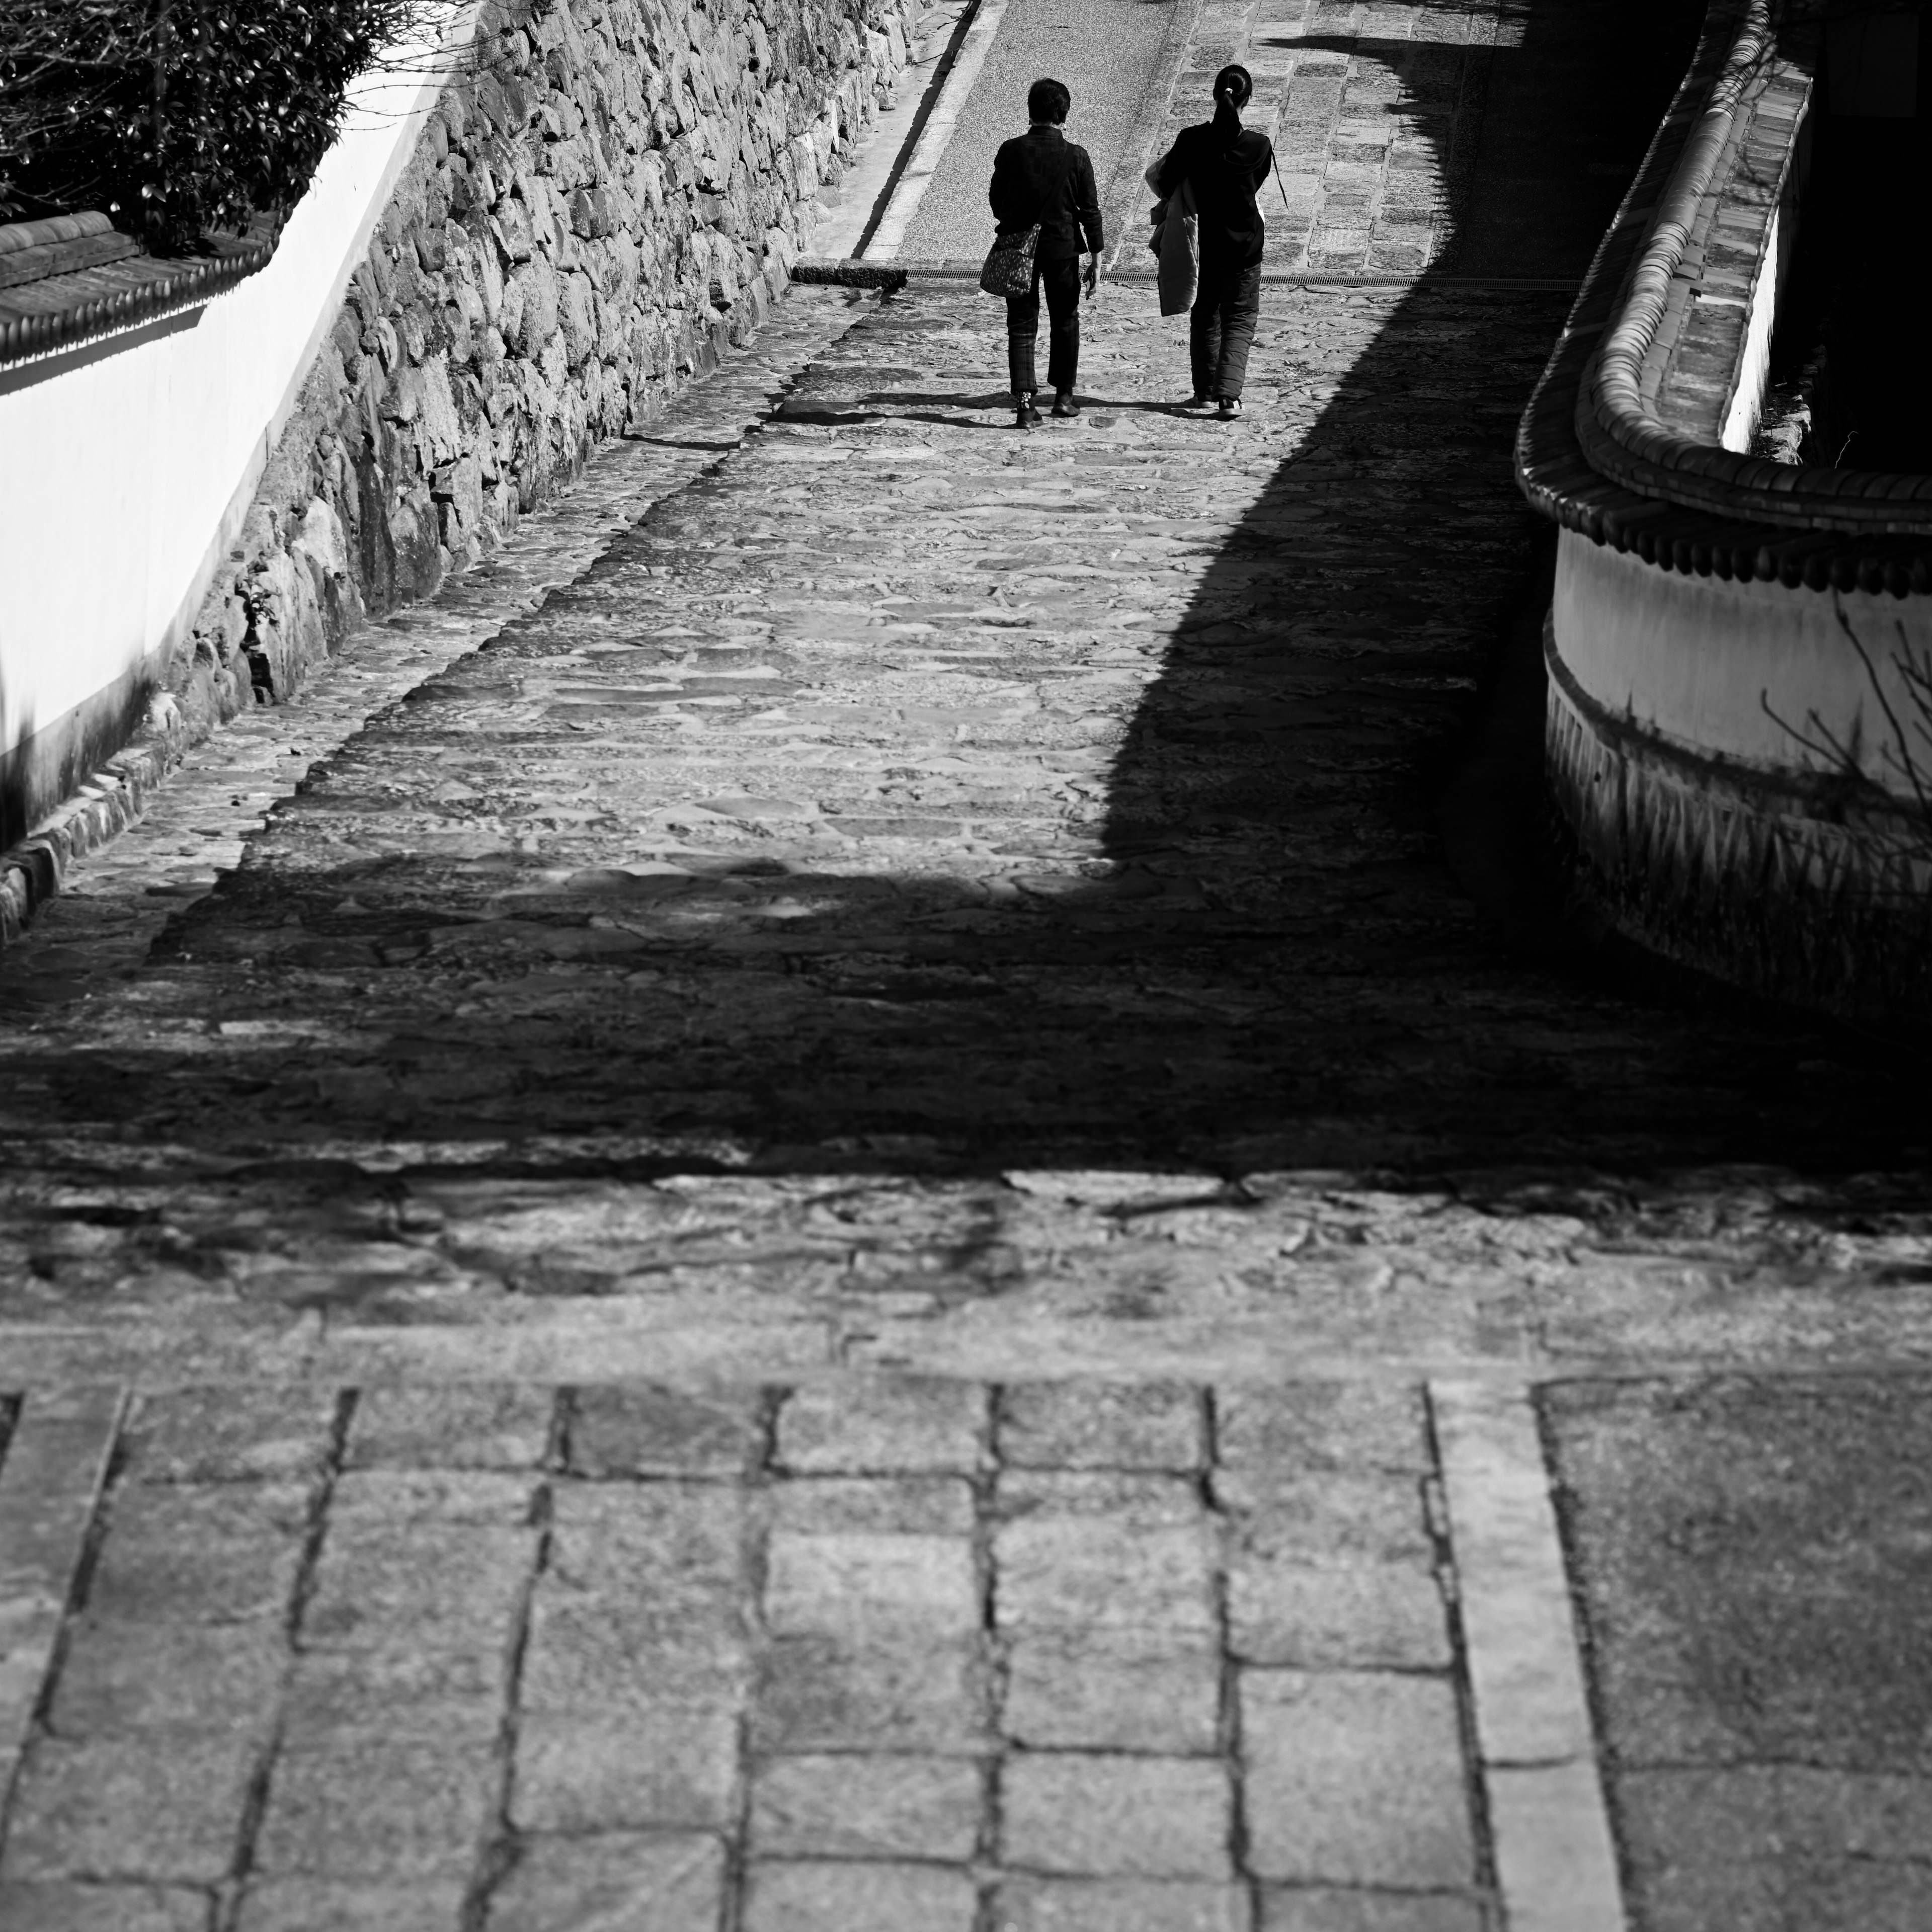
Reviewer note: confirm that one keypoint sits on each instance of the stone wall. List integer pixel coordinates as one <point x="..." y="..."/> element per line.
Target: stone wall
<point x="609" y="192"/>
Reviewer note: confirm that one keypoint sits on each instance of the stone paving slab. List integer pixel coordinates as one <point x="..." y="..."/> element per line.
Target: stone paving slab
<point x="769" y="1653"/>
<point x="1754" y="1587"/>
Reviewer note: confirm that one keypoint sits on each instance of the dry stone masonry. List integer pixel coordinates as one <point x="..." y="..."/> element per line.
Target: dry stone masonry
<point x="609" y="191"/>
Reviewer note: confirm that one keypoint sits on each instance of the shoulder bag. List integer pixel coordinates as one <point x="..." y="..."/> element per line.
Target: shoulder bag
<point x="1010" y="263"/>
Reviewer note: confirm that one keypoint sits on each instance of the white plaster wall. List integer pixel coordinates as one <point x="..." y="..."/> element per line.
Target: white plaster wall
<point x="1747" y="403"/>
<point x="1703" y="664"/>
<point x="126" y="466"/>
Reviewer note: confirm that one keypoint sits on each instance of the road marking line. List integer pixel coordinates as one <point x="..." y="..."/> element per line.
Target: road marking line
<point x="891" y="232"/>
<point x="1556" y="1864"/>
<point x="50" y="1481"/>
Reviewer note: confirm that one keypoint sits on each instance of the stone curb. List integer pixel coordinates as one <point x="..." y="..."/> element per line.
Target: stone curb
<point x="854" y="272"/>
<point x="105" y="804"/>
<point x="1556" y="1858"/>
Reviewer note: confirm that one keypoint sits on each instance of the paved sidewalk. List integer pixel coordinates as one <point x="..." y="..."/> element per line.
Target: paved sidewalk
<point x="827" y="1234"/>
<point x="918" y="1655"/>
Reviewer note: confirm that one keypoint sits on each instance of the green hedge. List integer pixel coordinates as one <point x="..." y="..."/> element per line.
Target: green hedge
<point x="178" y="116"/>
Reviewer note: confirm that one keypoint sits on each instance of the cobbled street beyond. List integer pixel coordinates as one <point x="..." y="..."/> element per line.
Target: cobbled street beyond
<point x="774" y="1222"/>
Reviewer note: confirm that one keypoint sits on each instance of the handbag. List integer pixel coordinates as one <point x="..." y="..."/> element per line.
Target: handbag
<point x="1010" y="263"/>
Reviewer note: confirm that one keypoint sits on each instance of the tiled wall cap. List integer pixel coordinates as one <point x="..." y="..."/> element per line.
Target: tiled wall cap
<point x="1617" y="430"/>
<point x="15" y="235"/>
<point x="173" y="286"/>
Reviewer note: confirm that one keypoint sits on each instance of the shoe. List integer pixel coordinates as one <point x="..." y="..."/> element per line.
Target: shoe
<point x="1200" y="402"/>
<point x="1063" y="404"/>
<point x="1230" y="407"/>
<point x="1025" y="415"/>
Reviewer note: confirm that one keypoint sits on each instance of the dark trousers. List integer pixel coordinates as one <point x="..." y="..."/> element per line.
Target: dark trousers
<point x="1221" y="327"/>
<point x="1061" y="281"/>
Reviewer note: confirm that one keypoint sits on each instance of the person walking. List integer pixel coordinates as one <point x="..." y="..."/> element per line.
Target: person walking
<point x="1225" y="164"/>
<point x="1041" y="179"/>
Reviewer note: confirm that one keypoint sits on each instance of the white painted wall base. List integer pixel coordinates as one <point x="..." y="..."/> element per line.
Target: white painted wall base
<point x="1710" y="667"/>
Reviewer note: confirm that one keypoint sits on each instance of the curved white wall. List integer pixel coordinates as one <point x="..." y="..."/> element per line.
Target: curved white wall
<point x="1702" y="664"/>
<point x="126" y="466"/>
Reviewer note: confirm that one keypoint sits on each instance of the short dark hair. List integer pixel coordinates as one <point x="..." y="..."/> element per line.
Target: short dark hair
<point x="1237" y="83"/>
<point x="1048" y="100"/>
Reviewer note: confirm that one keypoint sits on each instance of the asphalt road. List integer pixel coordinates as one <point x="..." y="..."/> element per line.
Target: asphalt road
<point x="1105" y="50"/>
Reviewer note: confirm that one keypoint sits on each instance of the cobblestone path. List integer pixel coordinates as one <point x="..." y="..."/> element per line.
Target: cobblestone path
<point x="796" y="1249"/>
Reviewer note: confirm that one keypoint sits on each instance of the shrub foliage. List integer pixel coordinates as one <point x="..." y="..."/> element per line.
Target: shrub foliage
<point x="179" y="116"/>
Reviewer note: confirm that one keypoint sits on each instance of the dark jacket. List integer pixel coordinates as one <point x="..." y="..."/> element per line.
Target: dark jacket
<point x="1226" y="182"/>
<point x="1042" y="176"/>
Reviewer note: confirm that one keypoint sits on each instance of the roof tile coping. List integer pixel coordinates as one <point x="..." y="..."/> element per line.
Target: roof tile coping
<point x="1618" y="429"/>
<point x="50" y="228"/>
<point x="1752" y="536"/>
<point x="150" y="287"/>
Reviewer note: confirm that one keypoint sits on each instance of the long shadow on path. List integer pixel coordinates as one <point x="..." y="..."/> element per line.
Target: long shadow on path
<point x="1269" y="965"/>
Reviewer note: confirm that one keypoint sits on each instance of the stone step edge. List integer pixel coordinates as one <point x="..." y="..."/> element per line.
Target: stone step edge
<point x="855" y="272"/>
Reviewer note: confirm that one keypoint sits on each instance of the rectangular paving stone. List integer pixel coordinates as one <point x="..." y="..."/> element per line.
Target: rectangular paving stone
<point x="659" y="1882"/>
<point x="1112" y="1690"/>
<point x="119" y="1677"/>
<point x="355" y="1807"/>
<point x="840" y="1583"/>
<point x="159" y="1809"/>
<point x="445" y="1496"/>
<point x="398" y="1690"/>
<point x="1132" y="1498"/>
<point x="666" y="1766"/>
<point x="670" y="1542"/>
<point x="444" y="1586"/>
<point x="632" y="1429"/>
<point x="213" y="1554"/>
<point x="458" y="1426"/>
<point x="850" y="1806"/>
<point x="1355" y="1778"/>
<point x="900" y="1425"/>
<point x="229" y="1433"/>
<point x="1328" y="1908"/>
<point x="1333" y="1517"/>
<point x="1361" y="1616"/>
<point x="917" y="1505"/>
<point x="1120" y="1905"/>
<point x="335" y="1905"/>
<point x="1107" y="1816"/>
<point x="1095" y="1425"/>
<point x="586" y="1648"/>
<point x="811" y="1896"/>
<point x="1056" y="1572"/>
<point x="876" y="1693"/>
<point x="105" y="1908"/>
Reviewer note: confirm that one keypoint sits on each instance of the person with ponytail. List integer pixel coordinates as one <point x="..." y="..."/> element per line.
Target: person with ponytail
<point x="1225" y="164"/>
